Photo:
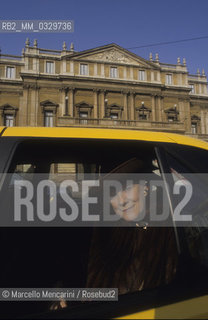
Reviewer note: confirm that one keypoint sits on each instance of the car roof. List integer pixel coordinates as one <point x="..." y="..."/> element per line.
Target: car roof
<point x="99" y="133"/>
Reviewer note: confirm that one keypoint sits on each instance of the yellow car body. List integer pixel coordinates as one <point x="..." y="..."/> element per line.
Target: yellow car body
<point x="182" y="308"/>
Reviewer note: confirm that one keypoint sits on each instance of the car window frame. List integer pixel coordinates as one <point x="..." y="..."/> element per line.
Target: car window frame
<point x="160" y="152"/>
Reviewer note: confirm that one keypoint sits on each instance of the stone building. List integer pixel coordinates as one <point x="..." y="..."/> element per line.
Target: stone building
<point x="107" y="86"/>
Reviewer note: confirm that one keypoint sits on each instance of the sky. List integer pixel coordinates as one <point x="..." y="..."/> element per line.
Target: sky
<point x="128" y="23"/>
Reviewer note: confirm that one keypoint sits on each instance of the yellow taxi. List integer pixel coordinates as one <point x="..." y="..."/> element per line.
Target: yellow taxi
<point x="160" y="272"/>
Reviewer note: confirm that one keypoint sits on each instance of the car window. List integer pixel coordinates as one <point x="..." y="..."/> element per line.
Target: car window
<point x="191" y="158"/>
<point x="190" y="165"/>
<point x="133" y="258"/>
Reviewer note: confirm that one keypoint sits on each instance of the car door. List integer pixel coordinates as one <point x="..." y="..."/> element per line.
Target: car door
<point x="48" y="256"/>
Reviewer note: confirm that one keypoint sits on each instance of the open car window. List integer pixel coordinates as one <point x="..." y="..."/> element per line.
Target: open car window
<point x="129" y="258"/>
<point x="189" y="164"/>
<point x="133" y="259"/>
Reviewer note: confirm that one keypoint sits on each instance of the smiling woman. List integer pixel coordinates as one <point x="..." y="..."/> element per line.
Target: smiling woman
<point x="128" y="203"/>
<point x="125" y="254"/>
<point x="131" y="257"/>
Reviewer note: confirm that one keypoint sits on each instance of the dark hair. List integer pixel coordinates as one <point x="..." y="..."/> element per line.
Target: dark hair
<point x="132" y="259"/>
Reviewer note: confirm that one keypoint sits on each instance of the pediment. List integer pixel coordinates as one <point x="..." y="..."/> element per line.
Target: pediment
<point x="48" y="103"/>
<point x="113" y="54"/>
<point x="143" y="108"/>
<point x="83" y="104"/>
<point x="171" y="110"/>
<point x="195" y="117"/>
<point x="114" y="106"/>
<point x="8" y="107"/>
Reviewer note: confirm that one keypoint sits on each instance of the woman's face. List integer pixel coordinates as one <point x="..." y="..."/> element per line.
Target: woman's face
<point x="128" y="203"/>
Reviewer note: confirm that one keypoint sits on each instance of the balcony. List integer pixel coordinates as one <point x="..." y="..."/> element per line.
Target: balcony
<point x="199" y="136"/>
<point x="197" y="78"/>
<point x="175" y="126"/>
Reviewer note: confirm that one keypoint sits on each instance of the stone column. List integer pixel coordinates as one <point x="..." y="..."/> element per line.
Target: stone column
<point x="179" y="79"/>
<point x="64" y="101"/>
<point x="64" y="66"/>
<point x="206" y="122"/>
<point x="17" y="121"/>
<point x="200" y="91"/>
<point x="102" y="104"/>
<point x="96" y="111"/>
<point x="26" y="67"/>
<point x="102" y="70"/>
<point x="34" y="65"/>
<point x="131" y="73"/>
<point x="37" y="104"/>
<point x="202" y="122"/>
<point x="156" y="109"/>
<point x="23" y="111"/>
<point x="162" y="108"/>
<point x="124" y="73"/>
<point x="125" y="105"/>
<point x="33" y="107"/>
<point x="62" y="95"/>
<point x="95" y="69"/>
<point x="132" y="106"/>
<point x="71" y="101"/>
<point x="153" y="108"/>
<point x="72" y="67"/>
<point x="181" y="111"/>
<point x="159" y="111"/>
<point x="187" y="115"/>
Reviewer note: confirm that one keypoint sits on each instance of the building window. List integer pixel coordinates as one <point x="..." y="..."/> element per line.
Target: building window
<point x="113" y="72"/>
<point x="195" y="124"/>
<point x="49" y="67"/>
<point x="141" y="75"/>
<point x="172" y="114"/>
<point x="142" y="116"/>
<point x="49" y="110"/>
<point x="83" y="69"/>
<point x="83" y="117"/>
<point x="48" y="118"/>
<point x="114" y="117"/>
<point x="193" y="127"/>
<point x="169" y="78"/>
<point x="8" y="120"/>
<point x="143" y="112"/>
<point x="10" y="72"/>
<point x="192" y="88"/>
<point x="172" y="118"/>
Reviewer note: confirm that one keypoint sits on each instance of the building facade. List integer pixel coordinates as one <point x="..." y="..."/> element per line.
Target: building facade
<point x="106" y="86"/>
